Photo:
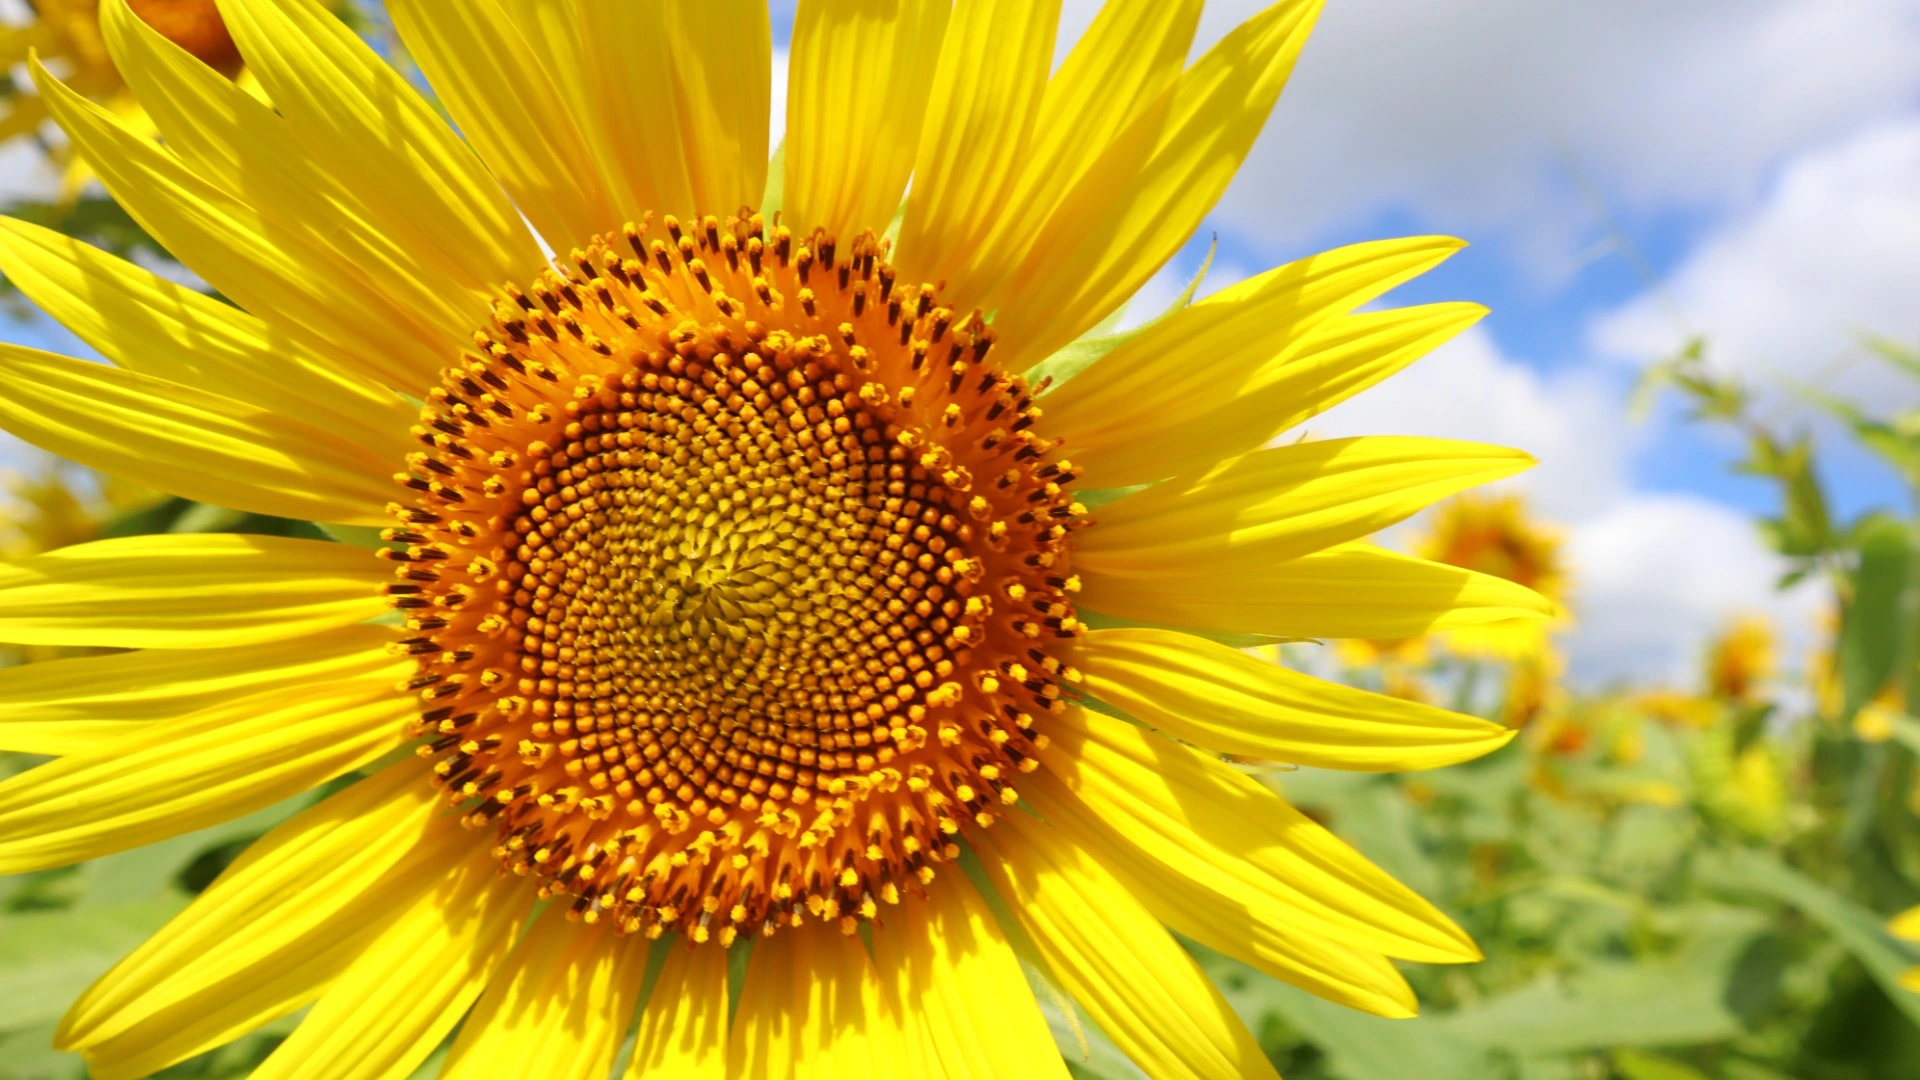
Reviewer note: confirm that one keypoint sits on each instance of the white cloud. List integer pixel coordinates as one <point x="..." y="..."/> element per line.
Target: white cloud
<point x="1658" y="574"/>
<point x="1462" y="113"/>
<point x="1654" y="575"/>
<point x="1783" y="293"/>
<point x="25" y="174"/>
<point x="1573" y="422"/>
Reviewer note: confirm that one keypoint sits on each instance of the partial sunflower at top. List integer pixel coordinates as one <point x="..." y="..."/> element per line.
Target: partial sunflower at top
<point x="737" y="591"/>
<point x="66" y="36"/>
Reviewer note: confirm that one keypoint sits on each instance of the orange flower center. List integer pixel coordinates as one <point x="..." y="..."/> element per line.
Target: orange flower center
<point x="194" y="25"/>
<point x="735" y="571"/>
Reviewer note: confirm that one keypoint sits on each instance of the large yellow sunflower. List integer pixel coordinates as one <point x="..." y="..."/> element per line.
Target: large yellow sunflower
<point x="740" y="596"/>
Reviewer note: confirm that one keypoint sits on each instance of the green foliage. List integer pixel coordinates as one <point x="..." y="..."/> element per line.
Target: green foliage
<point x="1875" y="628"/>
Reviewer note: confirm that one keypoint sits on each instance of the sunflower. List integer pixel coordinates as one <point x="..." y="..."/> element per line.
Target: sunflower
<point x="1494" y="534"/>
<point x="1740" y="660"/>
<point x="66" y="33"/>
<point x="1678" y="708"/>
<point x="736" y="603"/>
<point x="1533" y="691"/>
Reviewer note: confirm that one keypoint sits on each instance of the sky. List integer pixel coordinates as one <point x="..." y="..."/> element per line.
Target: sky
<point x="1629" y="174"/>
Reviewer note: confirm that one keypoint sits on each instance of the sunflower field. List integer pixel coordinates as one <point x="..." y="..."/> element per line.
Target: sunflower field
<point x="846" y="676"/>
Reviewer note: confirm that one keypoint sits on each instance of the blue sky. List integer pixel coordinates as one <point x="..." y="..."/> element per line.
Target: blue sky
<point x="1628" y="172"/>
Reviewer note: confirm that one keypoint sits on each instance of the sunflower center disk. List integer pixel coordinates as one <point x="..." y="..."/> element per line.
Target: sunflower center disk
<point x="735" y="573"/>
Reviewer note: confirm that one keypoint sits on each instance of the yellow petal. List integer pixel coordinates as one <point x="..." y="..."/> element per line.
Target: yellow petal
<point x="277" y="927"/>
<point x="1906" y="925"/>
<point x="1352" y="590"/>
<point x="1223" y="699"/>
<point x="1331" y="363"/>
<point x="1141" y="199"/>
<point x="683" y="1029"/>
<point x="152" y="326"/>
<point x="1125" y="61"/>
<point x="856" y="93"/>
<point x="1114" y="957"/>
<point x="387" y="1011"/>
<point x="671" y="99"/>
<point x="522" y="126"/>
<point x="80" y="704"/>
<point x="813" y="1008"/>
<point x="187" y="591"/>
<point x="1909" y="980"/>
<point x="1262" y="935"/>
<point x="952" y="971"/>
<point x="558" y="1009"/>
<point x="1209" y="826"/>
<point x="1287" y="501"/>
<point x="175" y="776"/>
<point x="384" y="143"/>
<point x="237" y="249"/>
<point x="981" y="112"/>
<point x="191" y="442"/>
<point x="252" y="154"/>
<point x="722" y="69"/>
<point x="554" y="33"/>
<point x="1201" y="357"/>
<point x="633" y="123"/>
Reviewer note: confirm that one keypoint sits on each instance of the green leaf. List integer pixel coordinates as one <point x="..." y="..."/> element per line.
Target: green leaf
<point x="366" y="536"/>
<point x="28" y="1054"/>
<point x="1855" y="929"/>
<point x="1077" y="357"/>
<point x="1633" y="1065"/>
<point x="1359" y="1046"/>
<point x="47" y="958"/>
<point x="1897" y="447"/>
<point x="1749" y="723"/>
<point x="1873" y="628"/>
<point x="1805" y="527"/>
<point x="1185" y="299"/>
<point x="155" y="517"/>
<point x="1735" y="1069"/>
<point x="1675" y="1000"/>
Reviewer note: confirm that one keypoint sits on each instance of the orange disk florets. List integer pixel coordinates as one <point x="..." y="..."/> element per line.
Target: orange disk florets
<point x="194" y="25"/>
<point x="736" y="572"/>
